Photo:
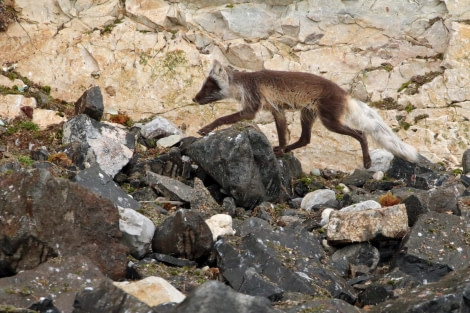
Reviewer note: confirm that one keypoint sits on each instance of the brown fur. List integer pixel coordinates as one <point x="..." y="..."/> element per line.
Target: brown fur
<point x="277" y="91"/>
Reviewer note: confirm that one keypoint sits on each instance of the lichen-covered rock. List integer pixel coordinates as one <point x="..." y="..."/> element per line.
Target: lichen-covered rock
<point x="45" y="217"/>
<point x="359" y="226"/>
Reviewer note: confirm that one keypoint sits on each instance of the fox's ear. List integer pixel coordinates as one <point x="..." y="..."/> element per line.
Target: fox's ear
<point x="219" y="72"/>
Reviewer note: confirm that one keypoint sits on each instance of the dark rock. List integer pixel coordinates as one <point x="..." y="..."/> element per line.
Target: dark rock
<point x="444" y="199"/>
<point x="144" y="194"/>
<point x="44" y="217"/>
<point x="420" y="269"/>
<point x="358" y="178"/>
<point x="353" y="259"/>
<point x="40" y="154"/>
<point x="324" y="306"/>
<point x="465" y="180"/>
<point x="436" y="245"/>
<point x="170" y="188"/>
<point x="107" y="298"/>
<point x="384" y="185"/>
<point x="243" y="164"/>
<point x="79" y="153"/>
<point x="203" y="201"/>
<point x="91" y="103"/>
<point x="45" y="305"/>
<point x="290" y="168"/>
<point x="414" y="208"/>
<point x="243" y="277"/>
<point x="302" y="187"/>
<point x="275" y="255"/>
<point x="97" y="181"/>
<point x="12" y="165"/>
<point x="466" y="161"/>
<point x="184" y="235"/>
<point x="171" y="164"/>
<point x="421" y="175"/>
<point x="228" y="204"/>
<point x="429" y="180"/>
<point x="374" y="294"/>
<point x="169" y="260"/>
<point x="59" y="277"/>
<point x="264" y="211"/>
<point x="216" y="297"/>
<point x="448" y="295"/>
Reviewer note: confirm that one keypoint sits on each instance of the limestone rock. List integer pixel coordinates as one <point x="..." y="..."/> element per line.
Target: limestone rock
<point x="390" y="222"/>
<point x="220" y="225"/>
<point x="137" y="231"/>
<point x="317" y="197"/>
<point x="152" y="290"/>
<point x="12" y="104"/>
<point x="45" y="118"/>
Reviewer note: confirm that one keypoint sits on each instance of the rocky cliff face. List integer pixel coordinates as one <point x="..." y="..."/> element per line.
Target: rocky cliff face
<point x="411" y="59"/>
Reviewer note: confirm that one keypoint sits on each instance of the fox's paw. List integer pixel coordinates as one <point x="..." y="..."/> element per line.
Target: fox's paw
<point x="203" y="131"/>
<point x="278" y="151"/>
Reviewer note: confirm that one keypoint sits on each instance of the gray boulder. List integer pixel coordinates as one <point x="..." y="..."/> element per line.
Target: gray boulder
<point x="241" y="160"/>
<point x="45" y="217"/>
<point x="216" y="297"/>
<point x="112" y="147"/>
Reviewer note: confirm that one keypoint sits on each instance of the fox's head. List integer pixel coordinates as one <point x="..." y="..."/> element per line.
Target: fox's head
<point x="215" y="86"/>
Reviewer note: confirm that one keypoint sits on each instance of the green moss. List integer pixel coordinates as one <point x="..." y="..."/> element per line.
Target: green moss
<point x="409" y="107"/>
<point x="26" y="160"/>
<point x="384" y="66"/>
<point x="403" y="86"/>
<point x="387" y="103"/>
<point x="412" y="86"/>
<point x="28" y="125"/>
<point x="457" y="171"/>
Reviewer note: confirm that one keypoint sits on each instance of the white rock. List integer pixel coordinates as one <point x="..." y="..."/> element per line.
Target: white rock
<point x="346" y="227"/>
<point x="149" y="11"/>
<point x="325" y="216"/>
<point x="380" y="160"/>
<point x="152" y="290"/>
<point x="361" y="206"/>
<point x="11" y="105"/>
<point x="220" y="224"/>
<point x="160" y="126"/>
<point x="169" y="141"/>
<point x="315" y="172"/>
<point x="137" y="231"/>
<point x="45" y="118"/>
<point x="320" y="196"/>
<point x="343" y="188"/>
<point x="379" y="175"/>
<point x="249" y="20"/>
<point x="5" y="81"/>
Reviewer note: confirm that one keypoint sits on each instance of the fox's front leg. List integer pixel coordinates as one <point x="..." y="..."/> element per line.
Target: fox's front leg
<point x="281" y="127"/>
<point x="226" y="120"/>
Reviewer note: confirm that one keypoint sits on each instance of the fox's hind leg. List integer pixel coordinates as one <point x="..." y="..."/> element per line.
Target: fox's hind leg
<point x="337" y="127"/>
<point x="307" y="117"/>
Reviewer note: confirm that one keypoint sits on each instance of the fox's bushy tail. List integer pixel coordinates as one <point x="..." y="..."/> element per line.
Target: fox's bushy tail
<point x="360" y="116"/>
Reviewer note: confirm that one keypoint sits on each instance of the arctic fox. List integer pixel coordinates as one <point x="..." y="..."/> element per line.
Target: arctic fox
<point x="312" y="95"/>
